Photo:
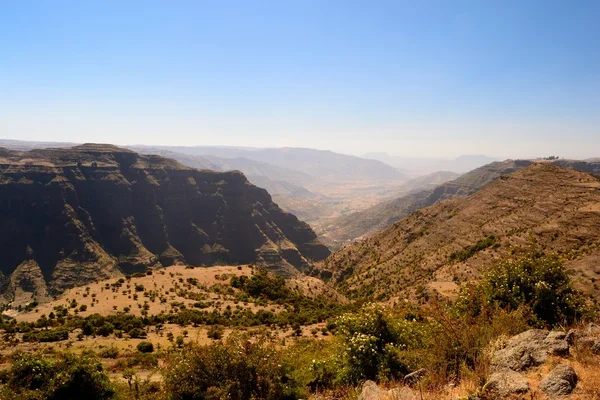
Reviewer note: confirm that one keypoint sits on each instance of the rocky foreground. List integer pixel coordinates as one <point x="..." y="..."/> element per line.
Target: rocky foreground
<point x="534" y="364"/>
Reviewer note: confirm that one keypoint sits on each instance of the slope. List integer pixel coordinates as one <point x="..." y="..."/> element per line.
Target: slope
<point x="545" y="206"/>
<point x="343" y="230"/>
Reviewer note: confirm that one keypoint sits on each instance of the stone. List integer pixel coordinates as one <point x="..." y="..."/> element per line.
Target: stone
<point x="402" y="393"/>
<point x="370" y="391"/>
<point x="559" y="382"/>
<point x="573" y="336"/>
<point x="507" y="382"/>
<point x="530" y="349"/>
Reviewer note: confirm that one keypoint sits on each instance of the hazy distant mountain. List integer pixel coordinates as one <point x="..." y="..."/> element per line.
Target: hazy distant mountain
<point x="424" y="182"/>
<point x="323" y="164"/>
<point x="419" y="166"/>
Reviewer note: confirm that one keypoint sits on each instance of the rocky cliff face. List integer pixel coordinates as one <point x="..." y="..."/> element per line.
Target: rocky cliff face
<point x="70" y="216"/>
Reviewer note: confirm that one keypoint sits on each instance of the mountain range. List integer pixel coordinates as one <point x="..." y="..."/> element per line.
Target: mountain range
<point x="73" y="215"/>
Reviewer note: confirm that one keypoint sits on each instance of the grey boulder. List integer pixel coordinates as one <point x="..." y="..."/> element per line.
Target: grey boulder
<point x="560" y="382"/>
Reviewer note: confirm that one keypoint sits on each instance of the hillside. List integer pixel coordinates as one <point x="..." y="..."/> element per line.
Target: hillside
<point x="74" y="215"/>
<point x="551" y="208"/>
<point x="342" y="230"/>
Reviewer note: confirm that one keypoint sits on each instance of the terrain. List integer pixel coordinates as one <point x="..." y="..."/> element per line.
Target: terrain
<point x="311" y="184"/>
<point x="343" y="230"/>
<point x="71" y="216"/>
<point x="340" y="231"/>
<point x="544" y="206"/>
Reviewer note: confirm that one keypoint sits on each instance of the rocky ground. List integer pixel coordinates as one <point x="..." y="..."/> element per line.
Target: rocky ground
<point x="536" y="364"/>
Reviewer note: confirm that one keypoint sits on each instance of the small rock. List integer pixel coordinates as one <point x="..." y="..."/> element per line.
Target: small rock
<point x="370" y="391"/>
<point x="415" y="377"/>
<point x="507" y="382"/>
<point x="529" y="349"/>
<point x="593" y="329"/>
<point x="402" y="393"/>
<point x="573" y="336"/>
<point x="559" y="382"/>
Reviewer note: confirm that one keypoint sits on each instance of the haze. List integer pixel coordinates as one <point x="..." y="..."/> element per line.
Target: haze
<point x="423" y="79"/>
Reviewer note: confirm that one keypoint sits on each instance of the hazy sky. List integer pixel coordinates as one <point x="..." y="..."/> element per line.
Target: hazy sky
<point x="439" y="78"/>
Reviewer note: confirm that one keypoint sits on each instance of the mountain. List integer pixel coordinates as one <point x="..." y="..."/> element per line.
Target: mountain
<point x="72" y="215"/>
<point x="542" y="207"/>
<point x="343" y="230"/>
<point x="424" y="182"/>
<point x="323" y="164"/>
<point x="416" y="166"/>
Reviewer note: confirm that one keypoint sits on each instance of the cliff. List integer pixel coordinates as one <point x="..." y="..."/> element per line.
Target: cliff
<point x="73" y="215"/>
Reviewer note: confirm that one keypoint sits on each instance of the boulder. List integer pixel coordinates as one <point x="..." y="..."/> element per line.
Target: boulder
<point x="370" y="391"/>
<point x="507" y="382"/>
<point x="559" y="382"/>
<point x="530" y="349"/>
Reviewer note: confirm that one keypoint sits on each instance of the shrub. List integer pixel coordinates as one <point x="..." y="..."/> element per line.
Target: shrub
<point x="541" y="283"/>
<point x="236" y="369"/>
<point x="145" y="347"/>
<point x="50" y="335"/>
<point x="372" y="338"/>
<point x="215" y="332"/>
<point x="63" y="377"/>
<point x="110" y="352"/>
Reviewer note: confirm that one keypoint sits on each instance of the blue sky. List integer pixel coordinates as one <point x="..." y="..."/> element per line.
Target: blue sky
<point x="422" y="78"/>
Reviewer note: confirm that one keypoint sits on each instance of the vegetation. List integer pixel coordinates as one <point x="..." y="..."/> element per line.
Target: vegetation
<point x="450" y="339"/>
<point x="465" y="254"/>
<point x="236" y="369"/>
<point x="62" y="376"/>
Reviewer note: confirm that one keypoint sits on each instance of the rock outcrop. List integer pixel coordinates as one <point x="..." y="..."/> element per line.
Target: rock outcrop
<point x="559" y="382"/>
<point x="73" y="215"/>
<point x="530" y="349"/>
<point x="506" y="383"/>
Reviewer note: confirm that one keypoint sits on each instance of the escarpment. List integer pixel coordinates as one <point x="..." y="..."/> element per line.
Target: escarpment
<point x="74" y="215"/>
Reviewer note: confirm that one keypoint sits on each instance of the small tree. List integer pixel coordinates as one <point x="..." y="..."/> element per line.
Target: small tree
<point x="145" y="347"/>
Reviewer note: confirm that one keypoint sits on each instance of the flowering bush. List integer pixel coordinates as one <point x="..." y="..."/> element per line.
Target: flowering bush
<point x="236" y="369"/>
<point x="541" y="283"/>
<point x="373" y="338"/>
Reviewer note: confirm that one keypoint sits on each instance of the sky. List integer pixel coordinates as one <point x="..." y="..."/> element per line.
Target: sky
<point x="412" y="78"/>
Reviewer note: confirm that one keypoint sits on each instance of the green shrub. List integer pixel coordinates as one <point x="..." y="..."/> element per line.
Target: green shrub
<point x="63" y="377"/>
<point x="110" y="352"/>
<point x="235" y="369"/>
<point x="50" y="335"/>
<point x="465" y="254"/>
<point x="372" y="338"/>
<point x="541" y="283"/>
<point x="145" y="347"/>
<point x="215" y="332"/>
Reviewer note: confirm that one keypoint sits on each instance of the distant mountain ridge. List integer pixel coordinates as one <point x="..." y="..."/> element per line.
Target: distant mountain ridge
<point x="78" y="214"/>
<point x="324" y="164"/>
<point x="422" y="166"/>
